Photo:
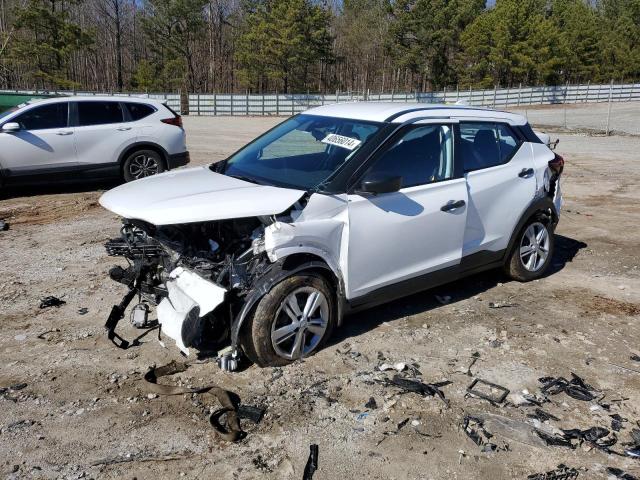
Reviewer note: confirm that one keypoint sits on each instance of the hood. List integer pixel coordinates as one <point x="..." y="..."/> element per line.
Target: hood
<point x="196" y="195"/>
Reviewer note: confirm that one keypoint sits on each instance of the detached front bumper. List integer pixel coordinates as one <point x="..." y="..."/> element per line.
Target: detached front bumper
<point x="180" y="314"/>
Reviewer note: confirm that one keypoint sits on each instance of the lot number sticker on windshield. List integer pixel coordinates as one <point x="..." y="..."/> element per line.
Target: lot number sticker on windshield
<point x="340" y="141"/>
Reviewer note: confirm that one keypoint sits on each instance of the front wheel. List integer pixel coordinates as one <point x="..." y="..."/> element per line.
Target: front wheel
<point x="292" y="321"/>
<point x="142" y="163"/>
<point x="531" y="255"/>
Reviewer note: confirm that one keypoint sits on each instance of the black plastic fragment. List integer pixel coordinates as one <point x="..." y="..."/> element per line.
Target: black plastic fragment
<point x="4" y="226"/>
<point x="493" y="398"/>
<point x="543" y="416"/>
<point x="51" y="301"/>
<point x="554" y="440"/>
<point x="424" y="389"/>
<point x="562" y="472"/>
<point x="616" y="422"/>
<point x="635" y="358"/>
<point x="312" y="463"/>
<point x="619" y="473"/>
<point x="250" y="412"/>
<point x="371" y="404"/>
<point x="575" y="388"/>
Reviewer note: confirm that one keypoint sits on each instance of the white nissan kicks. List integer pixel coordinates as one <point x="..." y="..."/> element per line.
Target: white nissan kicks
<point x="76" y="138"/>
<point x="338" y="209"/>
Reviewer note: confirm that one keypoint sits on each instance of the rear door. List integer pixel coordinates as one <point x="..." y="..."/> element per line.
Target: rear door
<point x="44" y="143"/>
<point x="501" y="182"/>
<point x="102" y="131"/>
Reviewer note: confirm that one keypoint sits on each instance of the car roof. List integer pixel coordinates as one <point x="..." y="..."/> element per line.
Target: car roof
<point x="402" y="112"/>
<point x="94" y="98"/>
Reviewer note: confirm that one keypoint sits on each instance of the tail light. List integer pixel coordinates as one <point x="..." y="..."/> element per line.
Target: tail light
<point x="557" y="164"/>
<point x="175" y="121"/>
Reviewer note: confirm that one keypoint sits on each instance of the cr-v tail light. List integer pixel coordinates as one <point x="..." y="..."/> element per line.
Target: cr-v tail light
<point x="557" y="164"/>
<point x="176" y="121"/>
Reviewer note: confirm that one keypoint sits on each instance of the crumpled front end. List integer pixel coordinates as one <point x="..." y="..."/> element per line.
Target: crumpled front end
<point x="194" y="275"/>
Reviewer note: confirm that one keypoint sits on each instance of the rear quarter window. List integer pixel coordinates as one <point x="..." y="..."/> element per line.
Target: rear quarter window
<point x="138" y="111"/>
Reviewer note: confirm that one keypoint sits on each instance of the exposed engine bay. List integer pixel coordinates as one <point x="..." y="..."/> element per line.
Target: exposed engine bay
<point x="197" y="275"/>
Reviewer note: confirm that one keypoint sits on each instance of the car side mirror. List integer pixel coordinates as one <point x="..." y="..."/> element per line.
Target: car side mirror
<point x="10" y="127"/>
<point x="376" y="183"/>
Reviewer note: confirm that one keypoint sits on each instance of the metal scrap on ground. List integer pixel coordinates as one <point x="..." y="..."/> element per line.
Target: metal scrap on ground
<point x="561" y="473"/>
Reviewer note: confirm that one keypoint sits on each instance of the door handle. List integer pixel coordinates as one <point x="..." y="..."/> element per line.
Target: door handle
<point x="124" y="129"/>
<point x="64" y="133"/>
<point x="525" y="172"/>
<point x="451" y="205"/>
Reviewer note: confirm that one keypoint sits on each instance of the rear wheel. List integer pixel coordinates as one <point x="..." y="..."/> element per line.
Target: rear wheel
<point x="532" y="252"/>
<point x="142" y="163"/>
<point x="292" y="321"/>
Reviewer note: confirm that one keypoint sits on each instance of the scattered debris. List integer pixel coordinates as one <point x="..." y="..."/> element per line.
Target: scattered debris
<point x="4" y="225"/>
<point x="635" y="358"/>
<point x="51" y="301"/>
<point x="250" y="412"/>
<point x="424" y="389"/>
<point x="142" y="458"/>
<point x="231" y="431"/>
<point x="510" y="429"/>
<point x="575" y="388"/>
<point x="598" y="437"/>
<point x="543" y="416"/>
<point x="41" y="336"/>
<point x="552" y="440"/>
<point x="312" y="463"/>
<point x="616" y="422"/>
<point x="474" y="428"/>
<point x="502" y="305"/>
<point x="561" y="473"/>
<point x="371" y="404"/>
<point x="495" y="394"/>
<point x="474" y="358"/>
<point x="619" y="473"/>
<point x="83" y="311"/>
<point x="634" y="450"/>
<point x="399" y="367"/>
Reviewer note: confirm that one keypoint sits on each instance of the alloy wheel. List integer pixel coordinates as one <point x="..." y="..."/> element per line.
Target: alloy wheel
<point x="300" y="324"/>
<point x="143" y="166"/>
<point x="534" y="247"/>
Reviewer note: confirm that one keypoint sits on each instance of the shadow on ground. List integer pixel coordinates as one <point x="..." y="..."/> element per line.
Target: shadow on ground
<point x="359" y="323"/>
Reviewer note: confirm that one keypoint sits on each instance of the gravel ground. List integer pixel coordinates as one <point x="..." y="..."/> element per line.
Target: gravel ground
<point x="85" y="412"/>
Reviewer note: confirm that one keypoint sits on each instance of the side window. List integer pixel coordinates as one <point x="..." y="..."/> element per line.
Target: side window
<point x="46" y="116"/>
<point x="138" y="111"/>
<point x="422" y="155"/>
<point x="485" y="145"/>
<point x="99" y="113"/>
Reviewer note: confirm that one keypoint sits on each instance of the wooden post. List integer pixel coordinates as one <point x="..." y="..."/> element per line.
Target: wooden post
<point x="247" y="104"/>
<point x="519" y="92"/>
<point x="263" y="104"/>
<point x="232" y="104"/>
<point x="277" y="104"/>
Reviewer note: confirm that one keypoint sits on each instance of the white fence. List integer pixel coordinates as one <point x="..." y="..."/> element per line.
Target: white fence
<point x="290" y="104"/>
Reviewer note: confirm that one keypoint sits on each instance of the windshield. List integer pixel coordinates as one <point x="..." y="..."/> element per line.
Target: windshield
<point x="301" y="152"/>
<point x="7" y="112"/>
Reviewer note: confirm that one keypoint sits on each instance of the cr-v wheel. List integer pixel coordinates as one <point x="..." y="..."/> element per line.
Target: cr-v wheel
<point x="532" y="252"/>
<point x="142" y="163"/>
<point x="292" y="321"/>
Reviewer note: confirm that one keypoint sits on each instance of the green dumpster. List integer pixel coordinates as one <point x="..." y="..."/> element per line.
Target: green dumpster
<point x="8" y="100"/>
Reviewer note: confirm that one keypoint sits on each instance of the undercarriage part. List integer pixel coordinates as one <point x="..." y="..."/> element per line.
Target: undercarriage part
<point x="139" y="316"/>
<point x="230" y="430"/>
<point x="228" y="359"/>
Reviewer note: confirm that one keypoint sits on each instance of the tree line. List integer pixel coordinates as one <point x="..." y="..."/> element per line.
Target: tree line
<point x="314" y="45"/>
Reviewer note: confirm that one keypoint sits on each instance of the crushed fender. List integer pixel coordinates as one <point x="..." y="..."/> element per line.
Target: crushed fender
<point x="231" y="410"/>
<point x="312" y="463"/>
<point x="561" y="473"/>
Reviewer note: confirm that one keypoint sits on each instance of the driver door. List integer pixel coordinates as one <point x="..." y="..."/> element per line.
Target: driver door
<point x="401" y="235"/>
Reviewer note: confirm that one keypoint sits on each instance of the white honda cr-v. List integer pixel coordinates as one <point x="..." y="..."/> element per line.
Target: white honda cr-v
<point x="76" y="138"/>
<point x="334" y="210"/>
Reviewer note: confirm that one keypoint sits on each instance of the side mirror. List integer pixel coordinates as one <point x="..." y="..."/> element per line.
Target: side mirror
<point x="375" y="183"/>
<point x="11" y="127"/>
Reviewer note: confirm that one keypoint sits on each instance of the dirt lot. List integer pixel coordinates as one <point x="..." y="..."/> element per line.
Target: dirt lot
<point x="85" y="413"/>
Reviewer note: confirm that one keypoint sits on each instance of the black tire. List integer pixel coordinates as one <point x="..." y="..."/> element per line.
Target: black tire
<point x="142" y="163"/>
<point x="269" y="314"/>
<point x="525" y="269"/>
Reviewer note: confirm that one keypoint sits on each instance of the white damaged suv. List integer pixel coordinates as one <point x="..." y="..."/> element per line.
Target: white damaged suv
<point x="338" y="209"/>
